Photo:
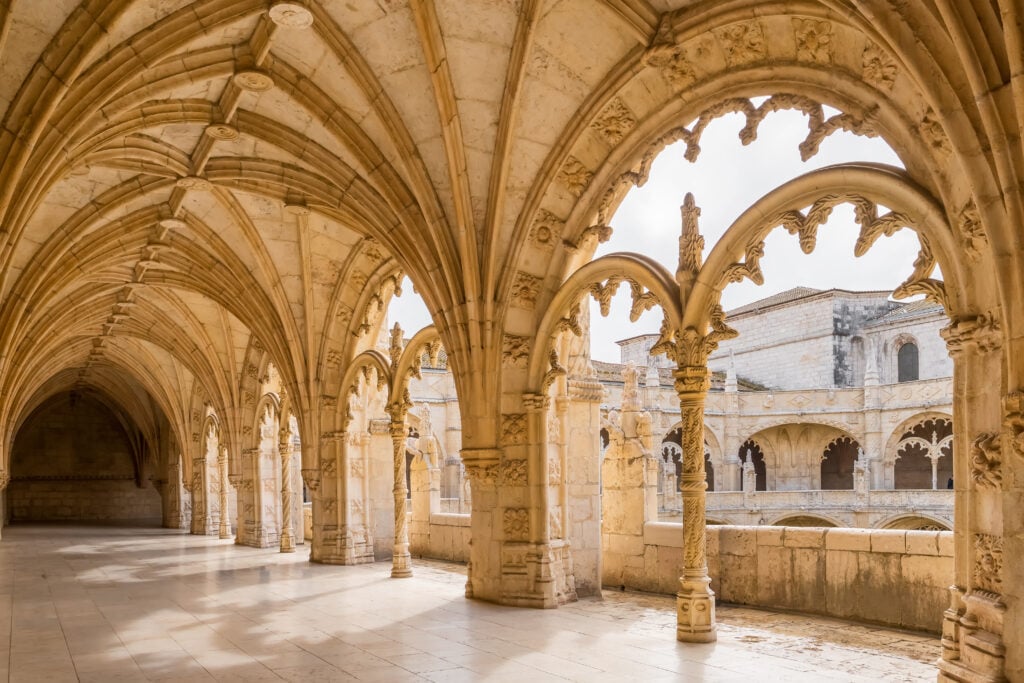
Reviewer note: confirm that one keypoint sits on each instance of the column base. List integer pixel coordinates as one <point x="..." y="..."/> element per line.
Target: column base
<point x="225" y="532"/>
<point x="538" y="576"/>
<point x="401" y="563"/>
<point x="695" y="611"/>
<point x="347" y="547"/>
<point x="287" y="544"/>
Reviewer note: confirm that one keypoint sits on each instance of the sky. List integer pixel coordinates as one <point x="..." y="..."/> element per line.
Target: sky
<point x="725" y="180"/>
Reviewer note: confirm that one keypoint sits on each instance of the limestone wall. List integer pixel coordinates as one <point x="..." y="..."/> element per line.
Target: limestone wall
<point x="896" y="578"/>
<point x="447" y="539"/>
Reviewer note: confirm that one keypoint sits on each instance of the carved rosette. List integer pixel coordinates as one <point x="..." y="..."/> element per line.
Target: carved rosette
<point x="513" y="429"/>
<point x="878" y="67"/>
<point x="614" y="122"/>
<point x="575" y="176"/>
<point x="513" y="473"/>
<point x="525" y="288"/>
<point x="546" y="230"/>
<point x="986" y="461"/>
<point x="742" y="42"/>
<point x="666" y="55"/>
<point x="813" y="40"/>
<point x="934" y="134"/>
<point x="988" y="563"/>
<point x="516" y="524"/>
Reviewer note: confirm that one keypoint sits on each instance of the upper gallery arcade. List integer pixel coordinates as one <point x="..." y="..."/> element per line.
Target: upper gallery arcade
<point x="206" y="205"/>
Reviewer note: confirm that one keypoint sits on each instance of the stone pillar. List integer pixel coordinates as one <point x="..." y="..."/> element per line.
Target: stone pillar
<point x="5" y="480"/>
<point x="973" y="628"/>
<point x="695" y="602"/>
<point x="225" y="524"/>
<point x="401" y="561"/>
<point x="285" y="452"/>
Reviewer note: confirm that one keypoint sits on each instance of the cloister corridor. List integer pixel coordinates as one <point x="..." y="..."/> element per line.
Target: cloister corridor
<point x="96" y="603"/>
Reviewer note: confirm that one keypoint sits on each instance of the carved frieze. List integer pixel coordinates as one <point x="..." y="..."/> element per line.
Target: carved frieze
<point x="575" y="176"/>
<point x="311" y="478"/>
<point x="986" y="465"/>
<point x="614" y="122"/>
<point x="554" y="470"/>
<point x="515" y="351"/>
<point x="513" y="428"/>
<point x="516" y="524"/>
<point x="742" y="42"/>
<point x="813" y="40"/>
<point x="1013" y="422"/>
<point x="988" y="562"/>
<point x="878" y="67"/>
<point x="525" y="288"/>
<point x="546" y="230"/>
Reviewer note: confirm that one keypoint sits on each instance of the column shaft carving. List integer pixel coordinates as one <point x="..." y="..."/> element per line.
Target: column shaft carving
<point x="225" y="524"/>
<point x="285" y="450"/>
<point x="401" y="561"/>
<point x="695" y="602"/>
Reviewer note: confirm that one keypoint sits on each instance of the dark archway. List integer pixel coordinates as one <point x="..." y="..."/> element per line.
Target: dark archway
<point x="77" y="457"/>
<point x="754" y="451"/>
<point x="913" y="467"/>
<point x="837" y="464"/>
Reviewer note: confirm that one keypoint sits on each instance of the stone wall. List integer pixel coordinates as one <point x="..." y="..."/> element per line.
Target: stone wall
<point x="896" y="578"/>
<point x="83" y="499"/>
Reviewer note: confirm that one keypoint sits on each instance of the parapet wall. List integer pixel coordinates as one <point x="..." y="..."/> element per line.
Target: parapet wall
<point x="892" y="577"/>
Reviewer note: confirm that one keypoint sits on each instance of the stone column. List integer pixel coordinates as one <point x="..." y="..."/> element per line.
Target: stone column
<point x="695" y="602"/>
<point x="5" y="480"/>
<point x="222" y="463"/>
<point x="973" y="647"/>
<point x="401" y="561"/>
<point x="285" y="452"/>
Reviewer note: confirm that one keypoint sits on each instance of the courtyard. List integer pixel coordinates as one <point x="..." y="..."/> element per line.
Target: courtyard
<point x="105" y="603"/>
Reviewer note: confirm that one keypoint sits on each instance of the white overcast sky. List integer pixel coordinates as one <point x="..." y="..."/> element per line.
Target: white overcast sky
<point x="725" y="180"/>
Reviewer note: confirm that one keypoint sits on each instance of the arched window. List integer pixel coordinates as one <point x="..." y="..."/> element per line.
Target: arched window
<point x="751" y="448"/>
<point x="906" y="363"/>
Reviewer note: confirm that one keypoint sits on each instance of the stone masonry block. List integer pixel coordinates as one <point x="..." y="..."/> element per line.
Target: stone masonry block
<point x="804" y="538"/>
<point x="770" y="535"/>
<point x="888" y="541"/>
<point x="848" y="539"/>
<point x="946" y="543"/>
<point x="737" y="541"/>
<point x="922" y="542"/>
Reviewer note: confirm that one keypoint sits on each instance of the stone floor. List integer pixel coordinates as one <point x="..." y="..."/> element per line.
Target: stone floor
<point x="132" y="604"/>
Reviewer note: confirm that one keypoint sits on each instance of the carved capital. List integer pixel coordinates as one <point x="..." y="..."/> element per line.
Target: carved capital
<point x="692" y="382"/>
<point x="533" y="403"/>
<point x="482" y="465"/>
<point x="980" y="332"/>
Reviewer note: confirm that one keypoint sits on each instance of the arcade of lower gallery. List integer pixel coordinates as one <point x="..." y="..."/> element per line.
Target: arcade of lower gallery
<point x="207" y="206"/>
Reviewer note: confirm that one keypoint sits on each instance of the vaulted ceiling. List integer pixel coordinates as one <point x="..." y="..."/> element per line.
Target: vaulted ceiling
<point x="184" y="179"/>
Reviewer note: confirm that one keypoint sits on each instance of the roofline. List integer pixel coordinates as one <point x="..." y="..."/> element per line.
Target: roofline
<point x="821" y="294"/>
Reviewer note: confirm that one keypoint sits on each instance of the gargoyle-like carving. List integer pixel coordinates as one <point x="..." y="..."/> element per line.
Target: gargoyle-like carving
<point x="666" y="55"/>
<point x="988" y="562"/>
<point x="972" y="233"/>
<point x="554" y="373"/>
<point x="986" y="461"/>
